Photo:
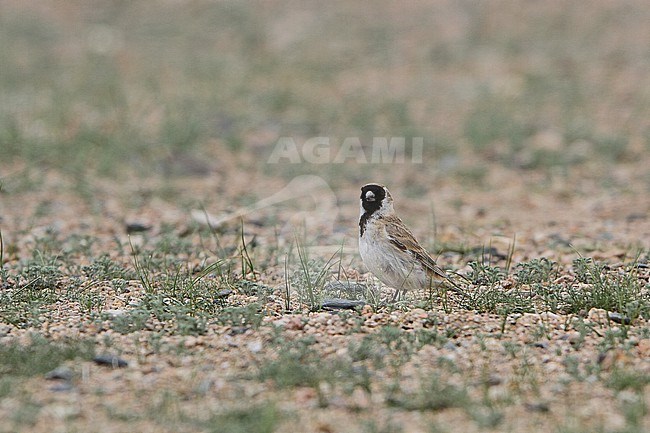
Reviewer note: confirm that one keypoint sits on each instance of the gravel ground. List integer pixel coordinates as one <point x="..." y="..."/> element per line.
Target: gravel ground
<point x="160" y="271"/>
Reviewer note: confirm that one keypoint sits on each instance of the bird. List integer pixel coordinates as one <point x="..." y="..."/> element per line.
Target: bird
<point x="390" y="251"/>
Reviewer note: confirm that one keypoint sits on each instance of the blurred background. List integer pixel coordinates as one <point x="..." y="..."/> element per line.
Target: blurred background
<point x="531" y="113"/>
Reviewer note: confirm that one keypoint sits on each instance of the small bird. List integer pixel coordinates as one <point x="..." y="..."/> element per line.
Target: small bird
<point x="389" y="249"/>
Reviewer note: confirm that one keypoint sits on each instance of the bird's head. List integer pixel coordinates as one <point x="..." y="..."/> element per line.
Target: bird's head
<point x="375" y="198"/>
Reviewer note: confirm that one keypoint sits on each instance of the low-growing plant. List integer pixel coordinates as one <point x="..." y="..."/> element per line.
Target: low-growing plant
<point x="296" y="367"/>
<point x="104" y="268"/>
<point x="536" y="271"/>
<point x="601" y="288"/>
<point x="624" y="378"/>
<point x="42" y="276"/>
<point x="311" y="277"/>
<point x="130" y="321"/>
<point x="262" y="418"/>
<point x="3" y="271"/>
<point x="434" y="393"/>
<point x="41" y="355"/>
<point x="250" y="315"/>
<point x="484" y="274"/>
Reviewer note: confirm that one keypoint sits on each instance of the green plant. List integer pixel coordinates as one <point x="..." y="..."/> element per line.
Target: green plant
<point x="249" y="315"/>
<point x="536" y="271"/>
<point x="42" y="276"/>
<point x="485" y="274"/>
<point x="104" y="268"/>
<point x="624" y="378"/>
<point x="262" y="418"/>
<point x="130" y="321"/>
<point x="247" y="265"/>
<point x="295" y="367"/>
<point x="311" y="276"/>
<point x="3" y="271"/>
<point x="40" y="355"/>
<point x="604" y="289"/>
<point x="434" y="393"/>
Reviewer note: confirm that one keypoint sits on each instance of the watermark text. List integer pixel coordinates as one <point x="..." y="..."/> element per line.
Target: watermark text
<point x="324" y="150"/>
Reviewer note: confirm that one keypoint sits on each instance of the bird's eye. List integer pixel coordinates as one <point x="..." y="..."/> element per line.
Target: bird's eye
<point x="370" y="196"/>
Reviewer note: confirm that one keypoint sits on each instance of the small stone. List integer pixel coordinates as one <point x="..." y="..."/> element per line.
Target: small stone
<point x="190" y="342"/>
<point x="419" y="313"/>
<point x="61" y="387"/>
<point x="537" y="407"/>
<point x="223" y="293"/>
<point x="597" y="315"/>
<point x="110" y="360"/>
<point x="547" y="315"/>
<point x="115" y="313"/>
<point x="237" y="330"/>
<point x="61" y="373"/>
<point x="450" y="345"/>
<point x="295" y="323"/>
<point x="255" y="346"/>
<point x="4" y="330"/>
<point x="204" y="386"/>
<point x="491" y="380"/>
<point x="305" y="395"/>
<point x="137" y="227"/>
<point x="644" y="348"/>
<point x="360" y="399"/>
<point x="367" y="310"/>
<point x="62" y="412"/>
<point x="619" y="318"/>
<point x="575" y="338"/>
<point x="342" y="304"/>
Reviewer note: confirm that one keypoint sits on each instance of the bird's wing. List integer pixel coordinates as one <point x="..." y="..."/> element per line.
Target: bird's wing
<point x="401" y="237"/>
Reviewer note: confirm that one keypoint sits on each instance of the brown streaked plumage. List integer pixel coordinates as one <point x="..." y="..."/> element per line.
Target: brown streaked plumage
<point x="389" y="249"/>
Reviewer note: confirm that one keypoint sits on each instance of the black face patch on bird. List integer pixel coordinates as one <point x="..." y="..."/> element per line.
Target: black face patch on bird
<point x="372" y="196"/>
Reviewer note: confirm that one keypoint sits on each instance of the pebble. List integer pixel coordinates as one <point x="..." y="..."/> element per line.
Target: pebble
<point x="574" y="338"/>
<point x="450" y="345"/>
<point x="342" y="304"/>
<point x="204" y="386"/>
<point x="224" y="293"/>
<point x="612" y="359"/>
<point x="110" y="360"/>
<point x="537" y="407"/>
<point x="419" y="313"/>
<point x="305" y="395"/>
<point x="644" y="348"/>
<point x="491" y="380"/>
<point x="549" y="316"/>
<point x="255" y="346"/>
<point x="62" y="412"/>
<point x="137" y="227"/>
<point x="291" y="323"/>
<point x="4" y="330"/>
<point x="619" y="318"/>
<point x="61" y="373"/>
<point x="597" y="315"/>
<point x="319" y="318"/>
<point x="61" y="387"/>
<point x="190" y="342"/>
<point x="115" y="313"/>
<point x="237" y="330"/>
